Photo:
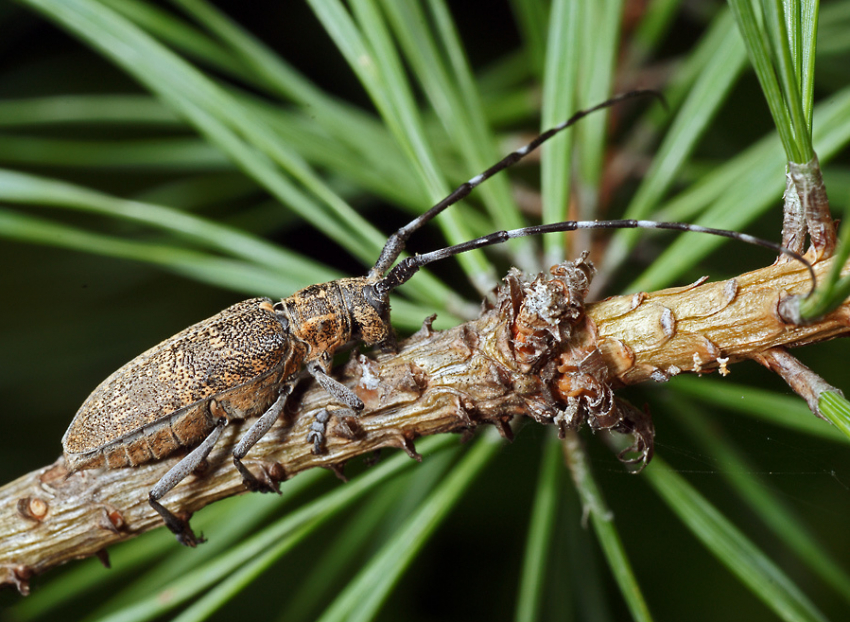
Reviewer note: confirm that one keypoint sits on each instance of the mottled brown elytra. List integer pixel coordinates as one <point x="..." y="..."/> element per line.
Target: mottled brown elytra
<point x="246" y="360"/>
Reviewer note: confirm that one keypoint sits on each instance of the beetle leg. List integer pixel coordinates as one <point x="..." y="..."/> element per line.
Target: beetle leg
<point x="255" y="433"/>
<point x="335" y="389"/>
<point x="338" y="391"/>
<point x="390" y="344"/>
<point x="177" y="473"/>
<point x="318" y="428"/>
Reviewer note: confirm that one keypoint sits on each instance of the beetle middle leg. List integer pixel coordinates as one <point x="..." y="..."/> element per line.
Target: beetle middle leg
<point x="178" y="526"/>
<point x="257" y="431"/>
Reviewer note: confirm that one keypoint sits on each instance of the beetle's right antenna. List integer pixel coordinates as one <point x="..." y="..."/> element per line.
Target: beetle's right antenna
<point x="396" y="242"/>
<point x="407" y="267"/>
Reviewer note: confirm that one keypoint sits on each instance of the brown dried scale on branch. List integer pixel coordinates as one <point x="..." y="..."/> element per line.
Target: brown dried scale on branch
<point x="555" y="341"/>
<point x="537" y="351"/>
<point x="806" y="210"/>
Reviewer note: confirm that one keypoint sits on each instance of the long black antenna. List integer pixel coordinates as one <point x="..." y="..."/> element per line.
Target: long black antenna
<point x="410" y="265"/>
<point x="396" y="242"/>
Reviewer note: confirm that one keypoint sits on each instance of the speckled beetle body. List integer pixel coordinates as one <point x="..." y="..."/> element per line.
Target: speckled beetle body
<point x="240" y="363"/>
<point x="245" y="361"/>
<point x="160" y="400"/>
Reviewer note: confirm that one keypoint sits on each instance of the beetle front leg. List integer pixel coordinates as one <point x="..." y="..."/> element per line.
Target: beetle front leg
<point x="178" y="526"/>
<point x="257" y="431"/>
<point x="318" y="429"/>
<point x="335" y="389"/>
<point x="338" y="391"/>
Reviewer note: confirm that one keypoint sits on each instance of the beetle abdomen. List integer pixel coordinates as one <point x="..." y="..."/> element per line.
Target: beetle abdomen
<point x="160" y="400"/>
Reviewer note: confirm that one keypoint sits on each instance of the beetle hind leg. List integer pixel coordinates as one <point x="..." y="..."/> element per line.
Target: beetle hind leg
<point x="180" y="526"/>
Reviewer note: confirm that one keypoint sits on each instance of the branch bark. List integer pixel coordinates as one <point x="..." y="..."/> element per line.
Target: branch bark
<point x="537" y="352"/>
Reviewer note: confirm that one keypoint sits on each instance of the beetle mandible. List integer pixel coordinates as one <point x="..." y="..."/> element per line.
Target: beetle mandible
<point x="246" y="360"/>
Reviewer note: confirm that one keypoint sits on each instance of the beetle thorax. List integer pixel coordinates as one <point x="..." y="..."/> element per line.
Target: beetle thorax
<point x="328" y="316"/>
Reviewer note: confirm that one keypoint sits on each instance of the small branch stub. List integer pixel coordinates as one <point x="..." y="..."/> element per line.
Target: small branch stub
<point x="33" y="508"/>
<point x="805" y="383"/>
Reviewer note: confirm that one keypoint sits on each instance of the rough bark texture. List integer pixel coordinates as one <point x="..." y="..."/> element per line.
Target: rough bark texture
<point x="537" y="351"/>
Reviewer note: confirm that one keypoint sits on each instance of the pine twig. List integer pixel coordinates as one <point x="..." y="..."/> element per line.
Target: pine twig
<point x="536" y="351"/>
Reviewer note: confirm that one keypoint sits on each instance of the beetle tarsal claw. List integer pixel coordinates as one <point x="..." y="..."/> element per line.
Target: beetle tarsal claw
<point x="179" y="526"/>
<point x="188" y="538"/>
<point x="265" y="483"/>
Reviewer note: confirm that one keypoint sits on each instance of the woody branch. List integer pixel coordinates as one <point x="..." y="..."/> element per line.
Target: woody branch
<point x="555" y="365"/>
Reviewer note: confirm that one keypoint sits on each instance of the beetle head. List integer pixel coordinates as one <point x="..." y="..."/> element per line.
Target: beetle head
<point x="328" y="316"/>
<point x="369" y="309"/>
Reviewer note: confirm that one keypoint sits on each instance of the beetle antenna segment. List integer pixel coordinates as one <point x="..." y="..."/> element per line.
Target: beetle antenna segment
<point x="396" y="242"/>
<point x="410" y="265"/>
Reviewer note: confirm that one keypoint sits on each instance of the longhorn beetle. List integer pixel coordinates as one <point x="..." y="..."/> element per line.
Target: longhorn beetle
<point x="246" y="360"/>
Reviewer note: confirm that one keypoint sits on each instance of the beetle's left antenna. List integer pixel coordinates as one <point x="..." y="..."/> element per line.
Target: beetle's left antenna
<point x="396" y="242"/>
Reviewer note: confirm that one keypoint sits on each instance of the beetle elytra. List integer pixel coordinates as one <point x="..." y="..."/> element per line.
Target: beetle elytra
<point x="245" y="361"/>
